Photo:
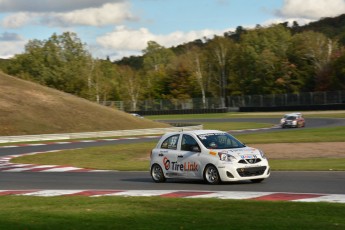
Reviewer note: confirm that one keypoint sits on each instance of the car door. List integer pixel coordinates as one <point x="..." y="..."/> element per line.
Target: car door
<point x="190" y="157"/>
<point x="168" y="153"/>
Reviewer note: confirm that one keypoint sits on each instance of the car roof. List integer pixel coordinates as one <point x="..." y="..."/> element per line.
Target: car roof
<point x="195" y="132"/>
<point x="293" y="114"/>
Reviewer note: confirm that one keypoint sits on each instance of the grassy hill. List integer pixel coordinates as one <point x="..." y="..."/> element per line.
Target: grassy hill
<point x="29" y="108"/>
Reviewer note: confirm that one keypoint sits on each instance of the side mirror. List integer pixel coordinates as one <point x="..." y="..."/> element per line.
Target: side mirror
<point x="195" y="149"/>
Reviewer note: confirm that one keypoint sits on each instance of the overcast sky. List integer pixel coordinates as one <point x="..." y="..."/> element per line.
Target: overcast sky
<point x="118" y="28"/>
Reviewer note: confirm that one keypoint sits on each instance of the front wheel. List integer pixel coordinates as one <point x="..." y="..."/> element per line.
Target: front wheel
<point x="157" y="173"/>
<point x="211" y="175"/>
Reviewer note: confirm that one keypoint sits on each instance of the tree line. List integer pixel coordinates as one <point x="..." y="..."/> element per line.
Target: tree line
<point x="263" y="60"/>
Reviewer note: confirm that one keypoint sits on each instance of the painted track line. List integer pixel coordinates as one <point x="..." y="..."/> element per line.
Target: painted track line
<point x="253" y="130"/>
<point x="230" y="195"/>
<point x="6" y="166"/>
<point x="80" y="141"/>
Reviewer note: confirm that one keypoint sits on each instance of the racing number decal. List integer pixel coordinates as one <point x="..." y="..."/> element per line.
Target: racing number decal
<point x="166" y="163"/>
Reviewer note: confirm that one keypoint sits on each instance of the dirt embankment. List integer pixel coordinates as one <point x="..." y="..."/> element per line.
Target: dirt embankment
<point x="28" y="108"/>
<point x="303" y="150"/>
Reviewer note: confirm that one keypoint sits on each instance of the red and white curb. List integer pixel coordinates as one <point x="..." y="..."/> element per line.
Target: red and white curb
<point x="240" y="195"/>
<point x="6" y="166"/>
<point x="81" y="141"/>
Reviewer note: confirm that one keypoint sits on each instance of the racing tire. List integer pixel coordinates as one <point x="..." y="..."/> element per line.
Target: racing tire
<point x="256" y="180"/>
<point x="211" y="175"/>
<point x="157" y="174"/>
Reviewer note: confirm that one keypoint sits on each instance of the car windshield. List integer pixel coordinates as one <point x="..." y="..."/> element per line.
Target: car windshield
<point x="291" y="118"/>
<point x="219" y="141"/>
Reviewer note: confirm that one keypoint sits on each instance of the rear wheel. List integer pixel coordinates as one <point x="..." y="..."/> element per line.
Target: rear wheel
<point x="157" y="174"/>
<point x="211" y="175"/>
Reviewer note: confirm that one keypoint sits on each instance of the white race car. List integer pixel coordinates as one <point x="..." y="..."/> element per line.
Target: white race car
<point x="283" y="119"/>
<point x="292" y="120"/>
<point x="211" y="155"/>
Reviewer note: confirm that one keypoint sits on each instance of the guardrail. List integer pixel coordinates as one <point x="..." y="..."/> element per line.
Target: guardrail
<point x="102" y="134"/>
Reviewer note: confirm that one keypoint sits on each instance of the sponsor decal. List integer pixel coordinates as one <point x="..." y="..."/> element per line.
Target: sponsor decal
<point x="239" y="150"/>
<point x="249" y="157"/>
<point x="213" y="153"/>
<point x="243" y="150"/>
<point x="186" y="166"/>
<point x="166" y="163"/>
<point x="206" y="135"/>
<point x="183" y="167"/>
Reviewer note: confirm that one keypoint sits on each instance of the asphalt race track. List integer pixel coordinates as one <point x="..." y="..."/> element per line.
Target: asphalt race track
<point x="295" y="182"/>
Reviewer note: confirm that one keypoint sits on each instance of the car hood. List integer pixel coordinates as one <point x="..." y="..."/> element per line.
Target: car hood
<point x="246" y="152"/>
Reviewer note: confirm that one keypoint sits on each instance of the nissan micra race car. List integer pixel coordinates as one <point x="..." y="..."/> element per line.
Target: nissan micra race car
<point x="295" y="120"/>
<point x="211" y="155"/>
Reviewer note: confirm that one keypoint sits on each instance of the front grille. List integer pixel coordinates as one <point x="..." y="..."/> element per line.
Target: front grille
<point x="250" y="161"/>
<point x="254" y="171"/>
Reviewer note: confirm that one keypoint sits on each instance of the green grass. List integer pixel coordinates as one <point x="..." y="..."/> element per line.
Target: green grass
<point x="226" y="126"/>
<point x="325" y="114"/>
<point x="334" y="134"/>
<point x="135" y="157"/>
<point x="328" y="115"/>
<point x="123" y="157"/>
<point x="190" y="116"/>
<point x="144" y="213"/>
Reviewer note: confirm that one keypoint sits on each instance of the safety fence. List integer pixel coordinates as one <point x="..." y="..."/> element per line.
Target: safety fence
<point x="298" y="99"/>
<point x="272" y="100"/>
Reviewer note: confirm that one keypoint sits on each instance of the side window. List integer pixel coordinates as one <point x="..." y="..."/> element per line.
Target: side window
<point x="170" y="142"/>
<point x="188" y="143"/>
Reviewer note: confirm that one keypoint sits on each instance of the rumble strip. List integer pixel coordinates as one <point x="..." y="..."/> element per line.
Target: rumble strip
<point x="241" y="195"/>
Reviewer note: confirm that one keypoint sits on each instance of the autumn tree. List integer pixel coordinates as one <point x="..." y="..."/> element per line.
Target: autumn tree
<point x="338" y="71"/>
<point x="102" y="81"/>
<point x="195" y="58"/>
<point x="312" y="52"/>
<point x="60" y="62"/>
<point x="179" y="83"/>
<point x="130" y="85"/>
<point x="220" y="55"/>
<point x="262" y="66"/>
<point x="156" y="60"/>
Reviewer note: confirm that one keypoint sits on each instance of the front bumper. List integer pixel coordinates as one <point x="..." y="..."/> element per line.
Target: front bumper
<point x="289" y="126"/>
<point x="237" y="172"/>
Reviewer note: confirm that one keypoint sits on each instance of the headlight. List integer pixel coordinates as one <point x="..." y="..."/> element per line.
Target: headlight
<point x="262" y="154"/>
<point x="226" y="157"/>
<point x="294" y="122"/>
